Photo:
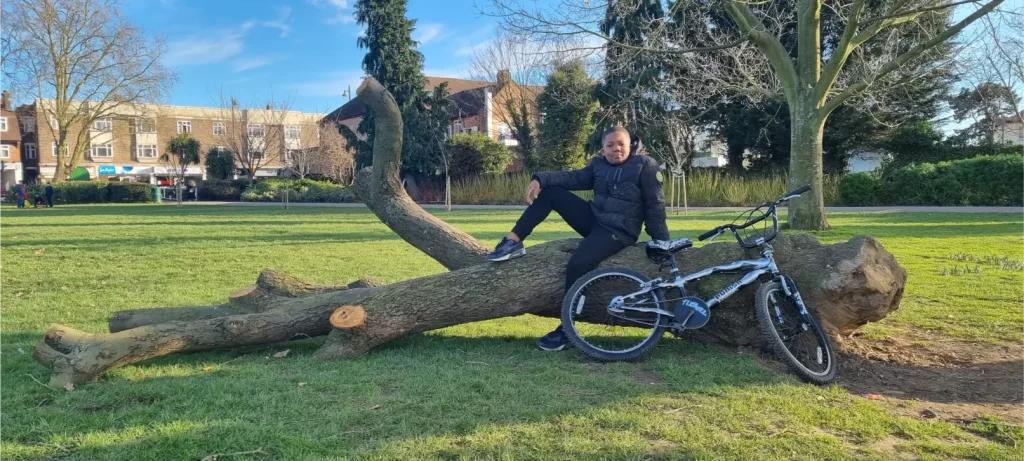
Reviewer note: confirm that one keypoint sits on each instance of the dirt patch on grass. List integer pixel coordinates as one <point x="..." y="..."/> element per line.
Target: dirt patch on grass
<point x="928" y="376"/>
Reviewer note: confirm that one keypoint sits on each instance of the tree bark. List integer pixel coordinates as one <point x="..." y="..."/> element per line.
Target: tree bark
<point x="380" y="188"/>
<point x="805" y="165"/>
<point x="271" y="288"/>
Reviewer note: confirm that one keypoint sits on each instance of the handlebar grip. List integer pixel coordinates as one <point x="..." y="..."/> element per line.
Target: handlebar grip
<point x="709" y="234"/>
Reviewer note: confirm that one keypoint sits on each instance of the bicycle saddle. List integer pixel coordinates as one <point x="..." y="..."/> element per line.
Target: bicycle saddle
<point x="659" y="250"/>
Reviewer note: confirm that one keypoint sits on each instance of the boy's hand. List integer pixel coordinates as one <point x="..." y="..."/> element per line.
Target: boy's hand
<point x="532" y="191"/>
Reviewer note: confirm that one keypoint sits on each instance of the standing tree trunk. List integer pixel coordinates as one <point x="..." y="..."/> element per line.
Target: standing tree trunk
<point x="805" y="167"/>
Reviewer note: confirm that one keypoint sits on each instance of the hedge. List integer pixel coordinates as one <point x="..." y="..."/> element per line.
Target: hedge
<point x="299" y="190"/>
<point x="987" y="180"/>
<point x="77" y="192"/>
<point x="222" y="190"/>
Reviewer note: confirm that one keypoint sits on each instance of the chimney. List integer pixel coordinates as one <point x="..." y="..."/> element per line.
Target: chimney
<point x="5" y="100"/>
<point x="504" y="78"/>
<point x="268" y="106"/>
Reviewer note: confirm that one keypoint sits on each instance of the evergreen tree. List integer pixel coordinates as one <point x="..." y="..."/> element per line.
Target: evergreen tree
<point x="625" y="92"/>
<point x="392" y="59"/>
<point x="567" y="106"/>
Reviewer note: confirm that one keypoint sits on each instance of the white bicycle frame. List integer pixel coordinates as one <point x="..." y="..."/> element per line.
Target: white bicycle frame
<point x="754" y="268"/>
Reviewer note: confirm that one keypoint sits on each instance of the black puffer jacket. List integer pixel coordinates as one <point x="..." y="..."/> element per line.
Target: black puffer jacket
<point x="625" y="195"/>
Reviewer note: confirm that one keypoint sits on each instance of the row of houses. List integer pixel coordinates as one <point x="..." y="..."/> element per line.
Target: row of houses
<point x="128" y="146"/>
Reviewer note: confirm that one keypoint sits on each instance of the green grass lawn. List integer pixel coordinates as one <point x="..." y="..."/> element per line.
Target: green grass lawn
<point x="477" y="391"/>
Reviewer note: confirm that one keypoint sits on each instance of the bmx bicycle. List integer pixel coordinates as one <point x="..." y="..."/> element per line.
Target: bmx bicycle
<point x="617" y="313"/>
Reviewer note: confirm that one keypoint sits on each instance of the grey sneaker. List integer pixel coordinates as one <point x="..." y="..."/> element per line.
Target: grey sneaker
<point x="507" y="249"/>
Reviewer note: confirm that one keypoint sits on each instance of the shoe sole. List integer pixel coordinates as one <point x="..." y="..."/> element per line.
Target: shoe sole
<point x="559" y="348"/>
<point x="512" y="255"/>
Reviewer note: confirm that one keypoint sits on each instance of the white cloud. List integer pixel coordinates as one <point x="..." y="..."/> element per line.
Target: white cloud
<point x="425" y="33"/>
<point x="334" y="84"/>
<point x="282" y="23"/>
<point x="206" y="49"/>
<point x="339" y="8"/>
<point x="222" y="45"/>
<point x="251" y="63"/>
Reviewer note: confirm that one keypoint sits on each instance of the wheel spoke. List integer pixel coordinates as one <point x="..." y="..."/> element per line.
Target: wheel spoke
<point x="800" y="338"/>
<point x="613" y="332"/>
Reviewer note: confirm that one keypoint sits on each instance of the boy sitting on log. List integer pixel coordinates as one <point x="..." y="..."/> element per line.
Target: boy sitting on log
<point x="627" y="193"/>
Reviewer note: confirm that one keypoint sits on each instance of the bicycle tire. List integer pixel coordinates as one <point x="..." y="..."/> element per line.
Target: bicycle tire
<point x="778" y="346"/>
<point x="586" y="347"/>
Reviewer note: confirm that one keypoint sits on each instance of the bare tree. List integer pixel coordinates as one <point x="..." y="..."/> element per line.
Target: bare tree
<point x="334" y="158"/>
<point x="749" y="57"/>
<point x="995" y="55"/>
<point x="521" y="66"/>
<point x="306" y="159"/>
<point x="331" y="158"/>
<point x="259" y="136"/>
<point x="84" y="62"/>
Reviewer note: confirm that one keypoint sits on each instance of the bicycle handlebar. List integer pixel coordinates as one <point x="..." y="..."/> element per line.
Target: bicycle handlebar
<point x="709" y="234"/>
<point x="771" y="211"/>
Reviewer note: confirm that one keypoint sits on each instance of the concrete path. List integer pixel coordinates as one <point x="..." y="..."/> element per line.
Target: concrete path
<point x="912" y="209"/>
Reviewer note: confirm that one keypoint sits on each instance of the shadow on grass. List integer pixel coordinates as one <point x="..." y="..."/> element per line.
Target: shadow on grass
<point x="422" y="386"/>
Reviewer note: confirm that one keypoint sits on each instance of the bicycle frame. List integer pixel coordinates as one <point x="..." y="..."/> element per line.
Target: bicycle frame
<point x="754" y="268"/>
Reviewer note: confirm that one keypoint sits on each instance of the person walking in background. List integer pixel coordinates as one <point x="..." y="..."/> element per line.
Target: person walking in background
<point x="49" y="194"/>
<point x="22" y="194"/>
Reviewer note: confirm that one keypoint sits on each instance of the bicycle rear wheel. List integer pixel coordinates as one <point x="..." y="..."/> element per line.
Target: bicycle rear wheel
<point x="796" y="338"/>
<point x="606" y="335"/>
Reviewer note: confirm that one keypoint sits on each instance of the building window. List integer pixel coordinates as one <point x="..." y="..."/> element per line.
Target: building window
<point x="472" y="129"/>
<point x="256" y="155"/>
<point x="457" y="126"/>
<point x="3" y="124"/>
<point x="256" y="130"/>
<point x="5" y="151"/>
<point x="184" y="126"/>
<point x="30" y="151"/>
<point x="102" y="124"/>
<point x="28" y="124"/>
<point x="292" y="132"/>
<point x="145" y="125"/>
<point x="220" y="148"/>
<point x="66" y="149"/>
<point x="146" y="151"/>
<point x="53" y="122"/>
<point x="103" y="150"/>
<point x="505" y="135"/>
<point x="219" y="129"/>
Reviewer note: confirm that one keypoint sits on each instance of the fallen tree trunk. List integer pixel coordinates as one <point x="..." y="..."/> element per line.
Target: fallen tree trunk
<point x="270" y="290"/>
<point x="848" y="284"/>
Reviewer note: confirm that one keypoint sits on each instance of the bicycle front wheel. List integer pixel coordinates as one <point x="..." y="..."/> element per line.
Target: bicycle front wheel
<point x="794" y="336"/>
<point x="606" y="335"/>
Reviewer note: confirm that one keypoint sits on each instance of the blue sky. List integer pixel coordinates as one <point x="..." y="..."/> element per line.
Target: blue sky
<point x="301" y="51"/>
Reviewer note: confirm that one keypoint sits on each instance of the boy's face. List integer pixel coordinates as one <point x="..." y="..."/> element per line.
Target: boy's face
<point x="616" y="147"/>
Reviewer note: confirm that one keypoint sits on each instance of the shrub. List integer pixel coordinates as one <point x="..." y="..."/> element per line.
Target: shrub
<point x="299" y="190"/>
<point x="858" y="189"/>
<point x="78" y="192"/>
<point x="987" y="180"/>
<point x="222" y="189"/>
<point x="475" y="154"/>
<point x="220" y="164"/>
<point x="705" y="187"/>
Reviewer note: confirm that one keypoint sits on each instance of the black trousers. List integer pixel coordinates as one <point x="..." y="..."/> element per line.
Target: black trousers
<point x="49" y="200"/>
<point x="598" y="242"/>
